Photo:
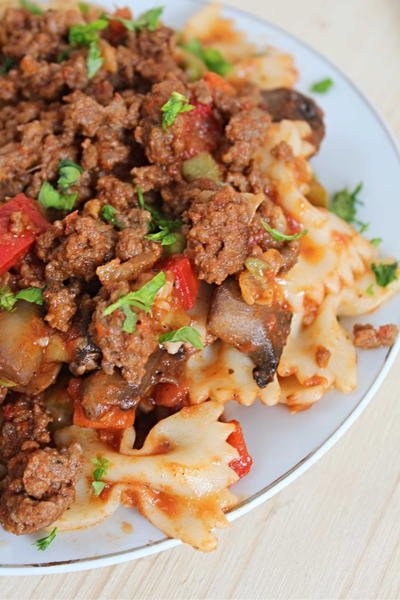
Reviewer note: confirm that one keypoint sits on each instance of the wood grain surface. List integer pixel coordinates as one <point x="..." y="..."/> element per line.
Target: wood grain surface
<point x="334" y="533"/>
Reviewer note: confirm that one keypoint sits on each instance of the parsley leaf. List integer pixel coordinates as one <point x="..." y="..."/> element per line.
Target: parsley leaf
<point x="8" y="299"/>
<point x="183" y="334"/>
<point x="84" y="35"/>
<point x="385" y="274"/>
<point x="376" y="241"/>
<point x="32" y="295"/>
<point x="177" y="104"/>
<point x="142" y="299"/>
<point x="98" y="487"/>
<point x="51" y="198"/>
<point x="131" y="318"/>
<point x="370" y="290"/>
<point x="94" y="60"/>
<point x="84" y="8"/>
<point x="63" y="56"/>
<point x="7" y="383"/>
<point x="343" y="204"/>
<point x="322" y="87"/>
<point x="158" y="221"/>
<point x="282" y="237"/>
<point x="69" y="173"/>
<point x="149" y="19"/>
<point x="33" y="8"/>
<point x="108" y="213"/>
<point x="212" y="58"/>
<point x="7" y="65"/>
<point x="44" y="543"/>
<point x="363" y="227"/>
<point x="165" y="237"/>
<point x="101" y="465"/>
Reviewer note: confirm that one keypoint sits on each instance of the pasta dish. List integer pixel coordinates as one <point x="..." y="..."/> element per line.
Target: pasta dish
<point x="165" y="247"/>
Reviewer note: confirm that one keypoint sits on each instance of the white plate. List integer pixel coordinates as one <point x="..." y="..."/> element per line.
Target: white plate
<point x="358" y="147"/>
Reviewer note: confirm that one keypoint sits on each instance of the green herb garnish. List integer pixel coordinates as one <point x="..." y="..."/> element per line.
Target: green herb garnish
<point x="63" y="56"/>
<point x="160" y="227"/>
<point x="49" y="197"/>
<point x="69" y="173"/>
<point x="322" y="87"/>
<point x="177" y="104"/>
<point x="142" y="299"/>
<point x="101" y="465"/>
<point x="131" y="318"/>
<point x="211" y="57"/>
<point x="88" y="35"/>
<point x="84" y="8"/>
<point x="108" y="213"/>
<point x="344" y="205"/>
<point x="7" y="65"/>
<point x="44" y="543"/>
<point x="33" y="8"/>
<point x="385" y="274"/>
<point x="186" y="334"/>
<point x="148" y="19"/>
<point x="376" y="241"/>
<point x="8" y="299"/>
<point x="370" y="290"/>
<point x="282" y="237"/>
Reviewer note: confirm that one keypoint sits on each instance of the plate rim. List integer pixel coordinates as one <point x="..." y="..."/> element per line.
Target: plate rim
<point x="95" y="562"/>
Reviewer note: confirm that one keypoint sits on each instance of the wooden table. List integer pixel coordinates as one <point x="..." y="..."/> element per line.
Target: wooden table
<point x="334" y="533"/>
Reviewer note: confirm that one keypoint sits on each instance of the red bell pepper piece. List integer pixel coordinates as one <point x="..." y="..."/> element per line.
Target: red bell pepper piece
<point x="208" y="130"/>
<point x="117" y="28"/>
<point x="242" y="464"/>
<point x="186" y="283"/>
<point x="14" y="247"/>
<point x="114" y="418"/>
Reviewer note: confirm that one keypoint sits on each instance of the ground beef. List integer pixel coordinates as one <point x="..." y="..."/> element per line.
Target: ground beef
<point x="61" y="305"/>
<point x="81" y="245"/>
<point x="39" y="487"/>
<point x="218" y="233"/>
<point x="245" y="132"/>
<point x="368" y="337"/>
<point x="23" y="420"/>
<point x="129" y="352"/>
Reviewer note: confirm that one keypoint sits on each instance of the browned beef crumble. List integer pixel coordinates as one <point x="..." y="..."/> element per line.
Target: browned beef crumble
<point x="368" y="337"/>
<point x="112" y="126"/>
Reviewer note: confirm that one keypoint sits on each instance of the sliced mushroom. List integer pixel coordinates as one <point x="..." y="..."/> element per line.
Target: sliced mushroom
<point x="259" y="331"/>
<point x="285" y="103"/>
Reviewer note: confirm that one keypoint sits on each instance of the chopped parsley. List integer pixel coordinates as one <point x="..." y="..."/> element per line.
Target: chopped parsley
<point x="33" y="8"/>
<point x="101" y="465"/>
<point x="186" y="334"/>
<point x="142" y="299"/>
<point x="94" y="60"/>
<point x="88" y="35"/>
<point x="7" y="65"/>
<point x="63" y="56"/>
<point x="177" y="104"/>
<point x="282" y="237"/>
<point x="8" y="299"/>
<point x="370" y="290"/>
<point x="44" y="543"/>
<point x="212" y="58"/>
<point x="131" y="318"/>
<point x="161" y="229"/>
<point x="385" y="274"/>
<point x="344" y="205"/>
<point x="322" y="87"/>
<point x="376" y="241"/>
<point x="84" y="8"/>
<point x="108" y="213"/>
<point x="69" y="174"/>
<point x="148" y="19"/>
<point x="49" y="197"/>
